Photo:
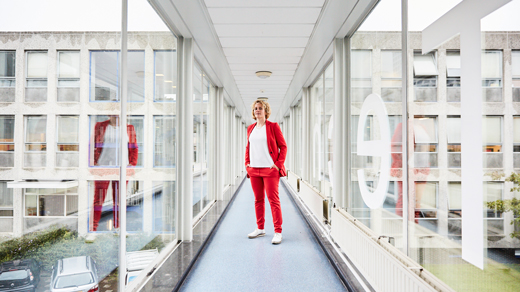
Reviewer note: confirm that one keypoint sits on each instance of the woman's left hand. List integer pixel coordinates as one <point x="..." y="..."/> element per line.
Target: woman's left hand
<point x="274" y="165"/>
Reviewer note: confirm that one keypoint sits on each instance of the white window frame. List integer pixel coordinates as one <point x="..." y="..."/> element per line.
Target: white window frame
<point x="12" y="80"/>
<point x="38" y="205"/>
<point x="27" y="79"/>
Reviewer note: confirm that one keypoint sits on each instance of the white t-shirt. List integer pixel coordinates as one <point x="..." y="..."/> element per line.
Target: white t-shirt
<point x="258" y="151"/>
<point x="109" y="153"/>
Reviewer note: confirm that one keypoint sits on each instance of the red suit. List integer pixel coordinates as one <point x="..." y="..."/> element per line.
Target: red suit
<point x="265" y="180"/>
<point x="101" y="187"/>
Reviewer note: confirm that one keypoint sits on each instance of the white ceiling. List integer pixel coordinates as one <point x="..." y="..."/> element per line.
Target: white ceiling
<point x="264" y="36"/>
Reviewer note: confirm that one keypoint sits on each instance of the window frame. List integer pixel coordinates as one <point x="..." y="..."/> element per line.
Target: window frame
<point x="37" y="195"/>
<point x="58" y="78"/>
<point x="25" y="134"/>
<point x="27" y="79"/>
<point x="155" y="77"/>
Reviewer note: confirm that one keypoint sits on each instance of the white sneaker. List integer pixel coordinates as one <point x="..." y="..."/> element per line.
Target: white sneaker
<point x="277" y="239"/>
<point x="256" y="233"/>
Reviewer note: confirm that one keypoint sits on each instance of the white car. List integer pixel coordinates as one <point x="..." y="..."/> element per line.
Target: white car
<point x="75" y="274"/>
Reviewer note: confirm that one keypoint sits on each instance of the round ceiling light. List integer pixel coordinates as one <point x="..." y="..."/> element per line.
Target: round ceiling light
<point x="263" y="74"/>
<point x="262" y="98"/>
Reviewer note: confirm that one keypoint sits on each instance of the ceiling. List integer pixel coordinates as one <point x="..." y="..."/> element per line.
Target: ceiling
<point x="264" y="36"/>
<point x="235" y="38"/>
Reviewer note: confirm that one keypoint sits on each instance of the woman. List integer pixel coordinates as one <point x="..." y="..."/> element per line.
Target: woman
<point x="265" y="157"/>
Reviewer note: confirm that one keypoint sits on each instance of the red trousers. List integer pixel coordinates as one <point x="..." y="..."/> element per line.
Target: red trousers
<point x="265" y="181"/>
<point x="100" y="192"/>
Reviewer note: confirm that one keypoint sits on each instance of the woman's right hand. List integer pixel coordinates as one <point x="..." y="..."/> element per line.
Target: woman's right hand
<point x="249" y="165"/>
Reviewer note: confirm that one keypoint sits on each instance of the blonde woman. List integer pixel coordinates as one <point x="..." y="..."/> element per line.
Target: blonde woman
<point x="265" y="156"/>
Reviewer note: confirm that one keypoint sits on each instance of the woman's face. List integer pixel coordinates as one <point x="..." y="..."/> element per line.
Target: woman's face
<point x="259" y="111"/>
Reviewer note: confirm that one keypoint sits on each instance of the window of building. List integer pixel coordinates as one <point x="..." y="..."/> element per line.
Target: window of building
<point x="492" y="76"/>
<point x="104" y="76"/>
<point x="165" y="76"/>
<point x="164" y="150"/>
<point x="36" y="85"/>
<point x="492" y="141"/>
<point x="7" y="76"/>
<point x="138" y="123"/>
<point x="164" y="207"/>
<point x="105" y="140"/>
<point x="361" y="74"/>
<point x="454" y="141"/>
<point x="35" y="141"/>
<point x="516" y="141"/>
<point x="453" y="76"/>
<point x="6" y="141"/>
<point x="515" y="68"/>
<point x="67" y="141"/>
<point x="454" y="209"/>
<point x="425" y="77"/>
<point x="426" y="141"/>
<point x="68" y="76"/>
<point x="6" y="208"/>
<point x="51" y="202"/>
<point x="391" y="76"/>
<point x="426" y="202"/>
<point x="494" y="191"/>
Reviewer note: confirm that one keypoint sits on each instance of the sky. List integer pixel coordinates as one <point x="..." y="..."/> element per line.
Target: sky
<point x="421" y="13"/>
<point x="105" y="15"/>
<point x="76" y="15"/>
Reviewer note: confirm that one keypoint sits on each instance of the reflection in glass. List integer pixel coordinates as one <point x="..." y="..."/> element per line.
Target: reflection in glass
<point x="165" y="75"/>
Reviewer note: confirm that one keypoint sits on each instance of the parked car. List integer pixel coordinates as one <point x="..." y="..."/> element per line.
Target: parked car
<point x="75" y="274"/>
<point x="19" y="275"/>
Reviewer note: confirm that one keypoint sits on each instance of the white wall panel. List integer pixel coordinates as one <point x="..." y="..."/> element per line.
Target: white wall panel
<point x="264" y="42"/>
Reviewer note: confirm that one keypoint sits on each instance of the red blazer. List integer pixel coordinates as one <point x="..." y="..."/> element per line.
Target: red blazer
<point x="275" y="143"/>
<point x="99" y="139"/>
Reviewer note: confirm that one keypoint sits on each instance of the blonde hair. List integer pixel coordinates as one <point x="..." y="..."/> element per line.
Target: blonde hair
<point x="265" y="105"/>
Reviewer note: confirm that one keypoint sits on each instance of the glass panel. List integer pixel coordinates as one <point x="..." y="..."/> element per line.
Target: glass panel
<point x="425" y="130"/>
<point x="6" y="196"/>
<point x="6" y="129"/>
<point x="328" y="131"/>
<point x="138" y="123"/>
<point x="164" y="150"/>
<point x="492" y="64"/>
<point x="453" y="130"/>
<point x="516" y="129"/>
<point x="165" y="75"/>
<point x="36" y="64"/>
<point x="68" y="127"/>
<point x="104" y="77"/>
<point x="7" y="63"/>
<point x="135" y="76"/>
<point x="316" y="132"/>
<point x="391" y="64"/>
<point x="492" y="130"/>
<point x="68" y="65"/>
<point x="35" y="129"/>
<point x="453" y="63"/>
<point x="424" y="65"/>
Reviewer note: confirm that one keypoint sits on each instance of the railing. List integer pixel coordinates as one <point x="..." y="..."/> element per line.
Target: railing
<point x="384" y="266"/>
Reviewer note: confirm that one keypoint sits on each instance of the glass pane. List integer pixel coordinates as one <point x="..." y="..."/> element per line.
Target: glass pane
<point x="165" y="139"/>
<point x="515" y="64"/>
<point x="7" y="63"/>
<point x="453" y="130"/>
<point x="36" y="64"/>
<point x="6" y="129"/>
<point x="104" y="144"/>
<point x="492" y="130"/>
<point x="135" y="75"/>
<point x="31" y="205"/>
<point x="516" y="129"/>
<point x="391" y="64"/>
<point x="454" y="196"/>
<point x="492" y="64"/>
<point x="165" y="75"/>
<point x="35" y="129"/>
<point x="68" y="127"/>
<point x="51" y="205"/>
<point x="6" y="196"/>
<point x="68" y="65"/>
<point x="424" y="65"/>
<point x="104" y="77"/>
<point x="453" y="63"/>
<point x="361" y="64"/>
<point x="138" y="123"/>
<point x="425" y="130"/>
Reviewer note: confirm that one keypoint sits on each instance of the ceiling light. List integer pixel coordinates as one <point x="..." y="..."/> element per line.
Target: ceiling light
<point x="159" y="75"/>
<point x="263" y="98"/>
<point x="263" y="74"/>
<point x="168" y="81"/>
<point x="174" y="86"/>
